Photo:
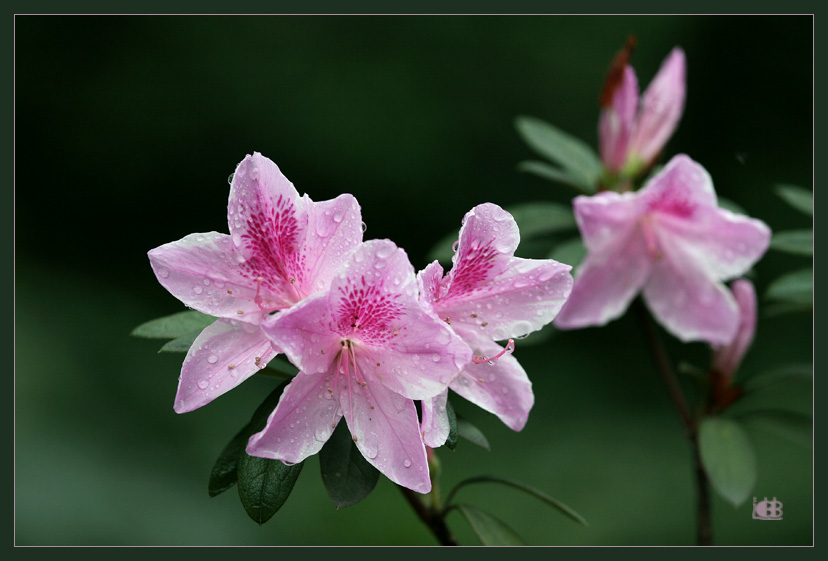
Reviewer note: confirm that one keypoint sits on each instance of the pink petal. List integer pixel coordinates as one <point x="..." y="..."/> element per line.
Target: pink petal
<point x="523" y="298"/>
<point x="429" y="281"/>
<point x="302" y="422"/>
<point x="268" y="222"/>
<point x="488" y="239"/>
<point x="727" y="359"/>
<point x="661" y="108"/>
<point x="435" y="424"/>
<point x="223" y="356"/>
<point x="386" y="430"/>
<point x="606" y="283"/>
<point x="680" y="188"/>
<point x="727" y="244"/>
<point x="304" y="334"/>
<point x="606" y="218"/>
<point x="502" y="388"/>
<point x="688" y="302"/>
<point x="616" y="122"/>
<point x="334" y="231"/>
<point x="202" y="270"/>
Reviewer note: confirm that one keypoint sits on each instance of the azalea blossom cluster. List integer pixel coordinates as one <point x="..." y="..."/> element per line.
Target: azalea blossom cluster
<point x="670" y="240"/>
<point x="368" y="335"/>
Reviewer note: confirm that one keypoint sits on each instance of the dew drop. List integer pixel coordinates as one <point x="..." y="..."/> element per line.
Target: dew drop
<point x="163" y="272"/>
<point x="206" y="282"/>
<point x="370" y="446"/>
<point x="364" y="227"/>
<point x="230" y="178"/>
<point x="407" y="463"/>
<point x="203" y="384"/>
<point x="212" y="359"/>
<point x="435" y="357"/>
<point x="197" y="289"/>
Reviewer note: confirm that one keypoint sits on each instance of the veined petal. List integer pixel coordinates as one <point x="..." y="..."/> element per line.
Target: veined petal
<point x="606" y="283"/>
<point x="268" y="222"/>
<point x="386" y="431"/>
<point x="488" y="239"/>
<point x="688" y="302"/>
<point x="680" y="188"/>
<point x="334" y="231"/>
<point x="430" y="282"/>
<point x="223" y="356"/>
<point x="302" y="422"/>
<point x="616" y="122"/>
<point x="661" y="108"/>
<point x="527" y="295"/>
<point x="606" y="218"/>
<point x="435" y="424"/>
<point x="202" y="270"/>
<point x="727" y="245"/>
<point x="502" y="388"/>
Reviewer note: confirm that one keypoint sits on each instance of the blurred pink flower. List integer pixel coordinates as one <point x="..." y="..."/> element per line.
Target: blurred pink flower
<point x="632" y="132"/>
<point x="365" y="349"/>
<point x="490" y="295"/>
<point x="671" y="241"/>
<point x="726" y="358"/>
<point x="281" y="249"/>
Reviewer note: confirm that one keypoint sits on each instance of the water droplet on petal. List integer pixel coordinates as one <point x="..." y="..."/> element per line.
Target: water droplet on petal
<point x="230" y="178"/>
<point x="435" y="357"/>
<point x="197" y="289"/>
<point x="163" y="272"/>
<point x="454" y="246"/>
<point x="203" y="384"/>
<point x="212" y="359"/>
<point x="364" y="227"/>
<point x="407" y="463"/>
<point x="370" y="446"/>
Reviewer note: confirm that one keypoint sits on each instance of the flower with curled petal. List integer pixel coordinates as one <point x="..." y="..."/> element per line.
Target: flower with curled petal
<point x="727" y="358"/>
<point x="490" y="295"/>
<point x="365" y="349"/>
<point x="281" y="249"/>
<point x="633" y="131"/>
<point x="671" y="241"/>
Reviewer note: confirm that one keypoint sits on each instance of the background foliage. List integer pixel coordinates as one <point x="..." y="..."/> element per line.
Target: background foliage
<point x="126" y="130"/>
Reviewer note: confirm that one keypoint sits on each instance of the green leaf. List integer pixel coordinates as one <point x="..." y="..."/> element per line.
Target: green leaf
<point x="347" y="475"/>
<point x="728" y="458"/>
<point x="443" y="250"/>
<point x="176" y="325"/>
<point x="265" y="485"/>
<point x="181" y="344"/>
<point x="799" y="198"/>
<point x="471" y="433"/>
<point x="796" y="287"/>
<point x="727" y="204"/>
<point x="786" y="374"/>
<point x="225" y="471"/>
<point x="572" y="154"/>
<point x="489" y="529"/>
<point x="537" y="493"/>
<point x="800" y="242"/>
<point x="570" y="252"/>
<point x="281" y="365"/>
<point x="793" y="426"/>
<point x="541" y="217"/>
<point x="451" y="441"/>
<point x="546" y="171"/>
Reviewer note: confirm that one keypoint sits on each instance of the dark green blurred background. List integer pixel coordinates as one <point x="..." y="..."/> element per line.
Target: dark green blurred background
<point x="126" y="131"/>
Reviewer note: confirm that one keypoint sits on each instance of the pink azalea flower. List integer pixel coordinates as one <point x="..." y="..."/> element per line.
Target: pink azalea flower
<point x="671" y="241"/>
<point x="490" y="295"/>
<point x="633" y="132"/>
<point x="281" y="249"/>
<point x="365" y="349"/>
<point x="726" y="358"/>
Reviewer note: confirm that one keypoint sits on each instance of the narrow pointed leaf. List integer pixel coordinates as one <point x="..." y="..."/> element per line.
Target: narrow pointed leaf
<point x="570" y="252"/>
<point x="489" y="529"/>
<point x="173" y="326"/>
<point x="786" y="374"/>
<point x="800" y="242"/>
<point x="796" y="287"/>
<point x="799" y="198"/>
<point x="347" y="475"/>
<point x="451" y="441"/>
<point x="550" y="172"/>
<point x="472" y="433"/>
<point x="571" y="153"/>
<point x="265" y="485"/>
<point x="540" y="217"/>
<point x="793" y="426"/>
<point x="537" y="493"/>
<point x="180" y="344"/>
<point x="225" y="471"/>
<point x="728" y="458"/>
